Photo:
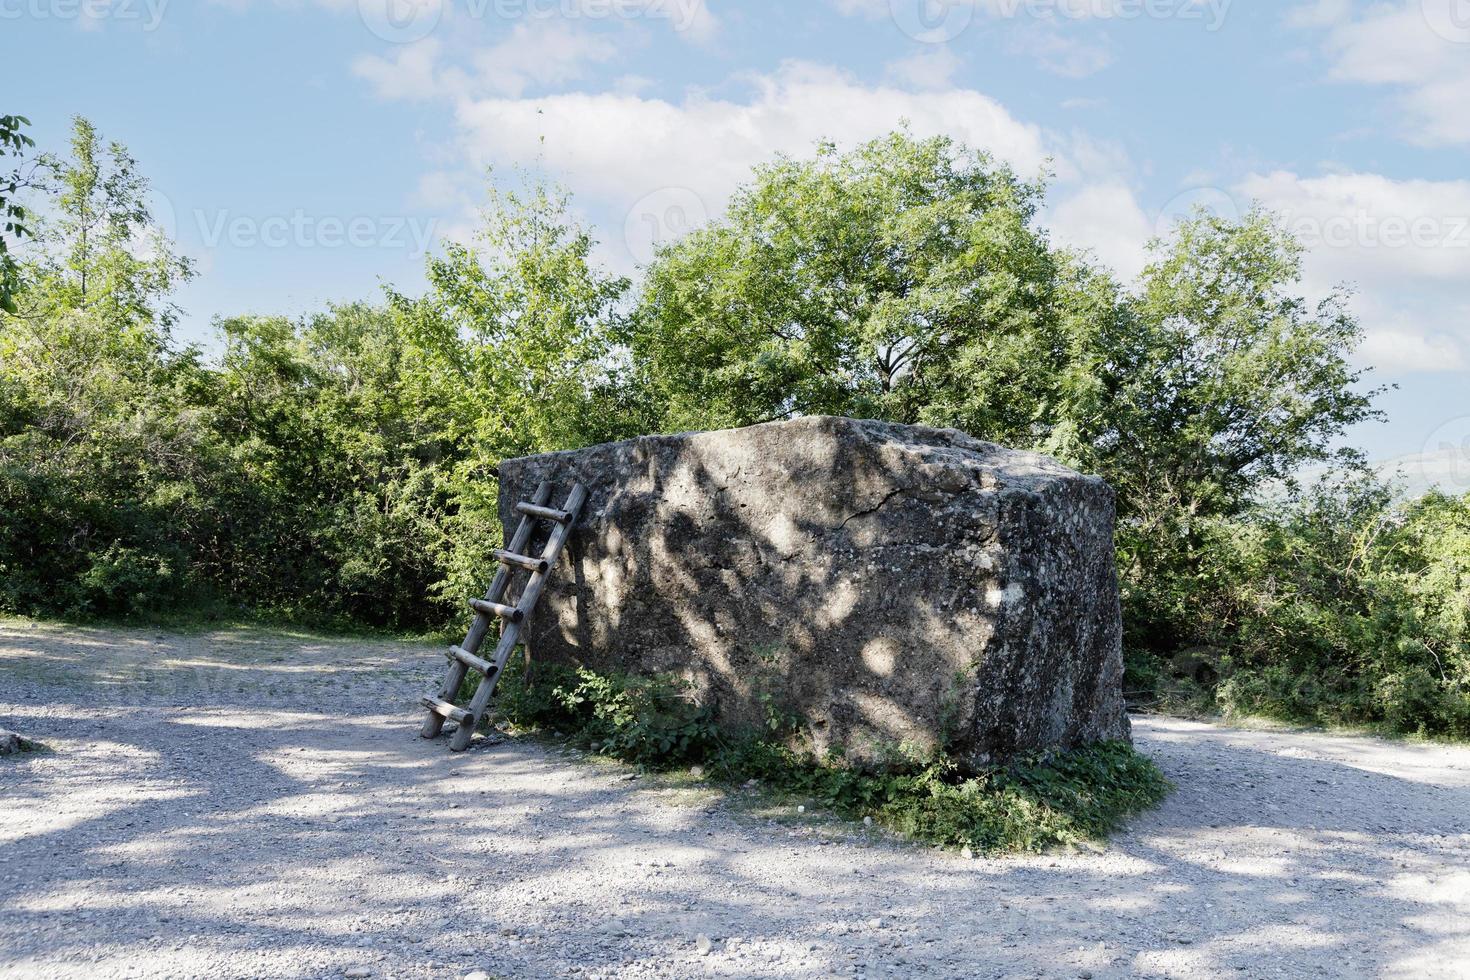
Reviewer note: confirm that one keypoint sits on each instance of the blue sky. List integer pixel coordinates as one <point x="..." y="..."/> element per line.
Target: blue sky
<point x="304" y="151"/>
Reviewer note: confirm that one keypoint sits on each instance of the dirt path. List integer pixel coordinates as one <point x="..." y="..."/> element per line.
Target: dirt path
<point x="284" y="825"/>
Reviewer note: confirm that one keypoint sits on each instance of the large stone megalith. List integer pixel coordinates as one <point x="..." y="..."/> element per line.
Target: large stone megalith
<point x="891" y="588"/>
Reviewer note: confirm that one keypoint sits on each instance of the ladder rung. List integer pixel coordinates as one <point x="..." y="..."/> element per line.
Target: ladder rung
<point x="549" y="513"/>
<point x="488" y="608"/>
<point x="441" y="707"/>
<point x="470" y="660"/>
<point x="509" y="557"/>
<point x="521" y="561"/>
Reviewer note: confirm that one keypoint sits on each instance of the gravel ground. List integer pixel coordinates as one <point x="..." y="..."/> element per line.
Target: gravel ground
<point x="250" y="804"/>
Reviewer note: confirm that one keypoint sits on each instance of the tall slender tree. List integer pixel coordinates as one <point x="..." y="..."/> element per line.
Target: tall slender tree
<point x="13" y="143"/>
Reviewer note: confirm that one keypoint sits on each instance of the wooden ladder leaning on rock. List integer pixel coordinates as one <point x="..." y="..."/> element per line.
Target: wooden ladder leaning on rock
<point x="465" y="657"/>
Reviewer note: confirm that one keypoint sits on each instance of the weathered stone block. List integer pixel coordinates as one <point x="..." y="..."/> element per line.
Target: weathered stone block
<point x="889" y="587"/>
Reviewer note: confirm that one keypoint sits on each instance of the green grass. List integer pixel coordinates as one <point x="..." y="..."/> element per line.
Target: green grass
<point x="28" y="747"/>
<point x="1034" y="804"/>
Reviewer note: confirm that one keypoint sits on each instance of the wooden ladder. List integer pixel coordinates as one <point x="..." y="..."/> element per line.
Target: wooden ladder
<point x="466" y="656"/>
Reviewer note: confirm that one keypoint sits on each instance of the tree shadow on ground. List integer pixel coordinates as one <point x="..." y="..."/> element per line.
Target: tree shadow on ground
<point x="240" y="840"/>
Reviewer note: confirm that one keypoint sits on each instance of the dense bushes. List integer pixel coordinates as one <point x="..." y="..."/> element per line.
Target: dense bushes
<point x="649" y="720"/>
<point x="1340" y="606"/>
<point x="342" y="466"/>
<point x="1350" y="608"/>
<point x="1038" y="802"/>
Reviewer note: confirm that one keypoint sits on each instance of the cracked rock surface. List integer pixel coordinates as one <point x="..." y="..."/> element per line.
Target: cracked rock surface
<point x="888" y="587"/>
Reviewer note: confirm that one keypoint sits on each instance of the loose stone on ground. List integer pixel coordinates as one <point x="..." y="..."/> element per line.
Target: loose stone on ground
<point x="239" y="803"/>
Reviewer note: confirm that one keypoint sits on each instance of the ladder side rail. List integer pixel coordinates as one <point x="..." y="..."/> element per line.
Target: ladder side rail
<point x="510" y="635"/>
<point x="554" y="545"/>
<point x="455" y="674"/>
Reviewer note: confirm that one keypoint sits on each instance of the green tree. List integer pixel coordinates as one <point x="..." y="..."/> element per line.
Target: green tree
<point x="13" y="143"/>
<point x="522" y="321"/>
<point x="333" y="468"/>
<point x="517" y="335"/>
<point x="905" y="280"/>
<point x="342" y="465"/>
<point x="98" y="441"/>
<point x="1343" y="605"/>
<point x="98" y="252"/>
<point x="1217" y="379"/>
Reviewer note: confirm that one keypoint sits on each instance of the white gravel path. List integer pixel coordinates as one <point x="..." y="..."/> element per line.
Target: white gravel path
<point x="217" y="805"/>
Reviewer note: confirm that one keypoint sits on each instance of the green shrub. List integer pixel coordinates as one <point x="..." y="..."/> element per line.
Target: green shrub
<point x="125" y="581"/>
<point x="650" y="721"/>
<point x="1038" y="802"/>
<point x="1344" y="606"/>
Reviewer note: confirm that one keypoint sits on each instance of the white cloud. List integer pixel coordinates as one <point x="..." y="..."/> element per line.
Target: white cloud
<point x="1372" y="229"/>
<point x="1320" y="13"/>
<point x="441" y="190"/>
<point x="1058" y="51"/>
<point x="402" y="21"/>
<point x="1106" y="219"/>
<point x="646" y="167"/>
<point x="933" y="68"/>
<point x="620" y="147"/>
<point x="695" y="21"/>
<point x="1395" y="350"/>
<point x="1420" y="48"/>
<point x="871" y="9"/>
<point x="1404" y="245"/>
<point x="412" y="74"/>
<point x="544" y="52"/>
<point x="947" y="19"/>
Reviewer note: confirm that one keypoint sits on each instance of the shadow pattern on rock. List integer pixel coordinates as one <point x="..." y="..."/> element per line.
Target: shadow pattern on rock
<point x="891" y="589"/>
